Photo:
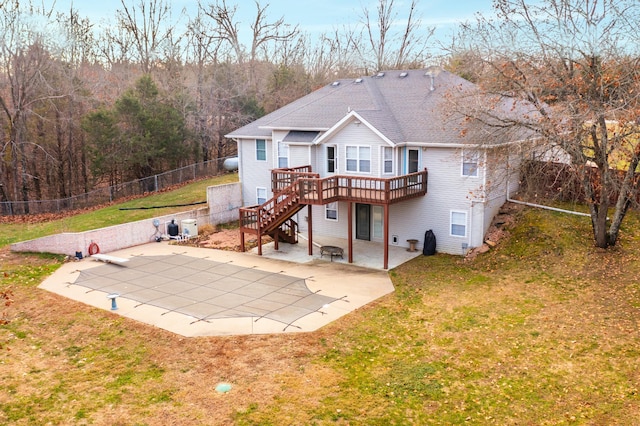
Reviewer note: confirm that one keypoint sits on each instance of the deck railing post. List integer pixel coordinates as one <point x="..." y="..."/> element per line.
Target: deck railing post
<point x="387" y="191"/>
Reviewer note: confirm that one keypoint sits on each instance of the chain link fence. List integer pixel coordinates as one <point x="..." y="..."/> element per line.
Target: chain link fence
<point x="109" y="194"/>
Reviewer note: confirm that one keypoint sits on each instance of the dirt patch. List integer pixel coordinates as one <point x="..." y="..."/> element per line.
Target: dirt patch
<point x="9" y="259"/>
<point x="224" y="239"/>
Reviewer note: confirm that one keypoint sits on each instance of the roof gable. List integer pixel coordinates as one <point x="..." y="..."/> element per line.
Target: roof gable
<point x="352" y="117"/>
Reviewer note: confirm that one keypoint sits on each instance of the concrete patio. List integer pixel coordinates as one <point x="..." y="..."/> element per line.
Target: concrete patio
<point x="204" y="292"/>
<point x="366" y="254"/>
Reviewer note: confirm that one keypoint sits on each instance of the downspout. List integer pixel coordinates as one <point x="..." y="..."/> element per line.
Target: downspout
<point x="240" y="170"/>
<point x="470" y="241"/>
<point x="465" y="246"/>
<point x="540" y="206"/>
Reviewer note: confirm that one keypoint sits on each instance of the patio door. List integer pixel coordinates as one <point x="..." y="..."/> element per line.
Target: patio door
<point x="363" y="222"/>
<point x="377" y="226"/>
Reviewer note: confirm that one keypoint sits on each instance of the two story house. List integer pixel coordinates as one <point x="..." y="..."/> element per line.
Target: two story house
<point x="383" y="158"/>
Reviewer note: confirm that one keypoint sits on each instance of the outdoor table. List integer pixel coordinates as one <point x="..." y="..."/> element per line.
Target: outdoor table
<point x="331" y="251"/>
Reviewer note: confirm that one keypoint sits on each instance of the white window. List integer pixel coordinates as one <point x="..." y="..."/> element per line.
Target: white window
<point x="331" y="211"/>
<point x="332" y="159"/>
<point x="261" y="195"/>
<point x="470" y="163"/>
<point x="459" y="223"/>
<point x="358" y="159"/>
<point x="283" y="155"/>
<point x="387" y="160"/>
<point x="261" y="150"/>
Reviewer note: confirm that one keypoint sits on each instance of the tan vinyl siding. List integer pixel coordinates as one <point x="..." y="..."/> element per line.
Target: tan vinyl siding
<point x="447" y="191"/>
<point x="254" y="173"/>
<point x="299" y="155"/>
<point x="354" y="135"/>
<point x="323" y="227"/>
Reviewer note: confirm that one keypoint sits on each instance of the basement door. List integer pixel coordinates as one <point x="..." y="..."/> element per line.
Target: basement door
<point x="363" y="222"/>
<point x="369" y="222"/>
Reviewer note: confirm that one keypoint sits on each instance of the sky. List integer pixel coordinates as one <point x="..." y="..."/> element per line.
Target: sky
<point x="313" y="16"/>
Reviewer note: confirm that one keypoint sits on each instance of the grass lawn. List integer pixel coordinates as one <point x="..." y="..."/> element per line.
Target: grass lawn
<point x="541" y="330"/>
<point x="34" y="227"/>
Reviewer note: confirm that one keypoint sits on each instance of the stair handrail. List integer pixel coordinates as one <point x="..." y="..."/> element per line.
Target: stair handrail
<point x="273" y="206"/>
<point x="289" y="176"/>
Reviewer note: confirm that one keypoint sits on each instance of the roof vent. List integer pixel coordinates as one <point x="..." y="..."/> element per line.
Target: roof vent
<point x="358" y="80"/>
<point x="404" y="74"/>
<point x="380" y="75"/>
<point x="433" y="72"/>
<point x="335" y="83"/>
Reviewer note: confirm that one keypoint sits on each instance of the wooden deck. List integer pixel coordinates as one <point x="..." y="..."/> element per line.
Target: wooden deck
<point x="298" y="187"/>
<point x="294" y="188"/>
<point x="321" y="191"/>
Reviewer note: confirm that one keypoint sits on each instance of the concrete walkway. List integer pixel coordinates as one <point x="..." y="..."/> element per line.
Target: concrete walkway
<point x="260" y="295"/>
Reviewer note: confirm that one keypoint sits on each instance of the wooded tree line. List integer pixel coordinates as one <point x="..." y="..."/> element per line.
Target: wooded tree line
<point x="86" y="104"/>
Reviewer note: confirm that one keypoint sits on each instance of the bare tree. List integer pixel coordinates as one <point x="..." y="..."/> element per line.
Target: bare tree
<point x="79" y="55"/>
<point x="146" y="29"/>
<point x="25" y="87"/>
<point x="264" y="33"/>
<point x="203" y="48"/>
<point x="576" y="63"/>
<point x="332" y="56"/>
<point x="392" y="49"/>
<point x="226" y="27"/>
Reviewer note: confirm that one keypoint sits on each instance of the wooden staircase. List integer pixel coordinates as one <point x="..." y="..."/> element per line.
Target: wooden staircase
<point x="287" y="232"/>
<point x="274" y="217"/>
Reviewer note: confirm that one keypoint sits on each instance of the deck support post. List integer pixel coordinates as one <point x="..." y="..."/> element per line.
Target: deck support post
<point x="242" y="241"/>
<point x="386" y="236"/>
<point x="310" y="229"/>
<point x="350" y="231"/>
<point x="276" y="237"/>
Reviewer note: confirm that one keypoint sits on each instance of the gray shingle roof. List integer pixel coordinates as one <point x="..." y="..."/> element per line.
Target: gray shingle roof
<point x="400" y="104"/>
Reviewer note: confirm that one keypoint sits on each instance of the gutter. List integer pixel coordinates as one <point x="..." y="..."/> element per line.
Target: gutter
<point x="466" y="145"/>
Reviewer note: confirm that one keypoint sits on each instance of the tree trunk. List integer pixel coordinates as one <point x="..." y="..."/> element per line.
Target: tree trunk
<point x="61" y="184"/>
<point x="24" y="183"/>
<point x="599" y="224"/>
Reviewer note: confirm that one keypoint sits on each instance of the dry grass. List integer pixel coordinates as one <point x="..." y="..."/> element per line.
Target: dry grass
<point x="541" y="330"/>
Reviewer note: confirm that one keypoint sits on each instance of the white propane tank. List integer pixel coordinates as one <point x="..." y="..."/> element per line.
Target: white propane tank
<point x="230" y="164"/>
